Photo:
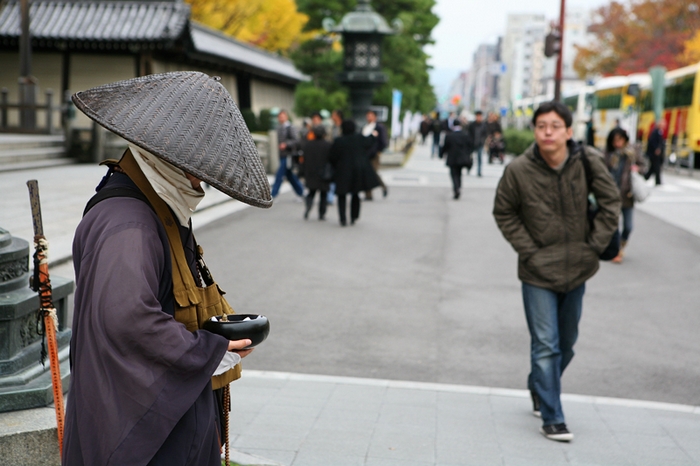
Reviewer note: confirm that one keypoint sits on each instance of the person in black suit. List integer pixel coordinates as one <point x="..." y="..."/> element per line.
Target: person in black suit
<point x="458" y="146"/>
<point x="655" y="151"/>
<point x="315" y="160"/>
<point x="380" y="141"/>
<point x="478" y="130"/>
<point x="352" y="170"/>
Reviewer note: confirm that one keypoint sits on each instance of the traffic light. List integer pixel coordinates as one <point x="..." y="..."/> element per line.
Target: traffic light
<point x="552" y="44"/>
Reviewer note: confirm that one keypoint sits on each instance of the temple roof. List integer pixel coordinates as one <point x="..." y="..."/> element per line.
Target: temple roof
<point x="135" y="25"/>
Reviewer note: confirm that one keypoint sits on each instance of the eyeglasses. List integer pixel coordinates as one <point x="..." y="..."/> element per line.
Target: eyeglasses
<point x="554" y="127"/>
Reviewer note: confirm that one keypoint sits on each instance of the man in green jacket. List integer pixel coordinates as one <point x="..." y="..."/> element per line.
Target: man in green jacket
<point x="542" y="210"/>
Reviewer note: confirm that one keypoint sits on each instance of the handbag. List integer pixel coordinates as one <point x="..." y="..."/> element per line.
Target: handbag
<point x="613" y="248"/>
<point x="640" y="190"/>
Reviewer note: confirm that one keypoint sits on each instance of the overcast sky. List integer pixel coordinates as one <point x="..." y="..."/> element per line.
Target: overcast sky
<point x="464" y="24"/>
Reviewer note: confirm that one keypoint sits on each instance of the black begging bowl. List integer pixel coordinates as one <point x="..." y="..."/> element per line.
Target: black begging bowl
<point x="240" y="327"/>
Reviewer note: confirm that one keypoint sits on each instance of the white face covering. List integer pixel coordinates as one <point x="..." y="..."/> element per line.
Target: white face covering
<point x="170" y="183"/>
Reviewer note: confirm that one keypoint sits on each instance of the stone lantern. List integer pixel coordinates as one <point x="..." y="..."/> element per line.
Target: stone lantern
<point x="24" y="382"/>
<point x="363" y="30"/>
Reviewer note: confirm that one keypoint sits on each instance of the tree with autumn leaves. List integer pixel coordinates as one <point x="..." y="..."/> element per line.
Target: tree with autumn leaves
<point x="274" y="25"/>
<point x="634" y="36"/>
<point x="294" y="29"/>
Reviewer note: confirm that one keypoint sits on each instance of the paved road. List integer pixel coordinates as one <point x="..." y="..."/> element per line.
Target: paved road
<point x="424" y="288"/>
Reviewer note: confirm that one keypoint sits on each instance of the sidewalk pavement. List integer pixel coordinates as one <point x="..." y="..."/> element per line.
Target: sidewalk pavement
<point x="64" y="191"/>
<point x="300" y="420"/>
<point x="296" y="419"/>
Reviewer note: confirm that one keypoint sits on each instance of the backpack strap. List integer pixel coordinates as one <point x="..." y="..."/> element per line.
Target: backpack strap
<point x="184" y="286"/>
<point x="587" y="168"/>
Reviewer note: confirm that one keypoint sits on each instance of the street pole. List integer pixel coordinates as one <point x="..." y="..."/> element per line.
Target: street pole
<point x="27" y="84"/>
<point x="557" y="78"/>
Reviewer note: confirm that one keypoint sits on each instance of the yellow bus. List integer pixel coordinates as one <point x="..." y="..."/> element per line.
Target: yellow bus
<point x="524" y="109"/>
<point x="681" y="113"/>
<point x="615" y="104"/>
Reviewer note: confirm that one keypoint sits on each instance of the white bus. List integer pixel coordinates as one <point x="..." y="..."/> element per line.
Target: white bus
<point x="581" y="106"/>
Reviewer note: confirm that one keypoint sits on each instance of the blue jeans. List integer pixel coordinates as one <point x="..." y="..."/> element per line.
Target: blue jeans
<point x="283" y="172"/>
<point x="626" y="222"/>
<point x="479" y="150"/>
<point x="331" y="193"/>
<point x="552" y="319"/>
<point x="435" y="150"/>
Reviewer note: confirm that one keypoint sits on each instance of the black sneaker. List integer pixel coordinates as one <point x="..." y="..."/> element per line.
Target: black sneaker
<point x="535" y="404"/>
<point x="557" y="432"/>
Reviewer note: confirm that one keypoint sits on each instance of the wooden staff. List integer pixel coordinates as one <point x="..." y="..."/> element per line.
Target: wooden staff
<point x="47" y="313"/>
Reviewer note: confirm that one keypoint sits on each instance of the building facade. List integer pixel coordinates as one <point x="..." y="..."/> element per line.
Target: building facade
<point x="486" y="71"/>
<point x="82" y="44"/>
<point x="522" y="52"/>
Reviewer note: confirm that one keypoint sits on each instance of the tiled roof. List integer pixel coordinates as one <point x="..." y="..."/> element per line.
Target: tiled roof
<point x="98" y="24"/>
<point x="211" y="42"/>
<point x="98" y="21"/>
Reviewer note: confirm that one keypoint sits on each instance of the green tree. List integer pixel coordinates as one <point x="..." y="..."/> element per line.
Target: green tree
<point x="403" y="58"/>
<point x="309" y="98"/>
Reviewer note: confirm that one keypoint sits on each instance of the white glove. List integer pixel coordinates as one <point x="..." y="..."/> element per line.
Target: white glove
<point x="229" y="360"/>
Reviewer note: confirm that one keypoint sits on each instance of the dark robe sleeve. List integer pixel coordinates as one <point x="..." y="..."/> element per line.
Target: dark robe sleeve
<point x="136" y="370"/>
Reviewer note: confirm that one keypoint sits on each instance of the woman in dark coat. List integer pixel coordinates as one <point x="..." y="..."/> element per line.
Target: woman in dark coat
<point x="353" y="172"/>
<point x="622" y="161"/>
<point x="315" y="159"/>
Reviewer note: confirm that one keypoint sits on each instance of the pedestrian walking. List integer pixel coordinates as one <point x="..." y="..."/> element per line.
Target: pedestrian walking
<point x="590" y="133"/>
<point x="450" y="122"/>
<point x="147" y="386"/>
<point x="493" y="127"/>
<point x="436" y="129"/>
<point x="656" y="147"/>
<point x="493" y="124"/>
<point x="288" y="143"/>
<point x="315" y="160"/>
<point x="379" y="141"/>
<point x="424" y="128"/>
<point x="540" y="208"/>
<point x="622" y="161"/>
<point x="336" y="131"/>
<point x="478" y="131"/>
<point x="458" y="148"/>
<point x="497" y="147"/>
<point x="316" y="121"/>
<point x="349" y="156"/>
<point x="337" y="118"/>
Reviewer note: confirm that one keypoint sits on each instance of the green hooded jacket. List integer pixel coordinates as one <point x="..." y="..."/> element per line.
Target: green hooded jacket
<point x="543" y="214"/>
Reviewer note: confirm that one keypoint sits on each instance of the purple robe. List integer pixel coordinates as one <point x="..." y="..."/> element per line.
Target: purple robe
<point x="140" y="389"/>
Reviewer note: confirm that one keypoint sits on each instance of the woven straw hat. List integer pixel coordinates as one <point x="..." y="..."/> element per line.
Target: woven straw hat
<point x="189" y="120"/>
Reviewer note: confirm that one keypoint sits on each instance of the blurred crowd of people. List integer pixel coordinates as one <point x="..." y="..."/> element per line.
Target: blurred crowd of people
<point x="460" y="141"/>
<point x="334" y="159"/>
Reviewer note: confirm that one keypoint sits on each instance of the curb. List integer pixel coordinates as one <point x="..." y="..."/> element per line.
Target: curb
<point x="471" y="389"/>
